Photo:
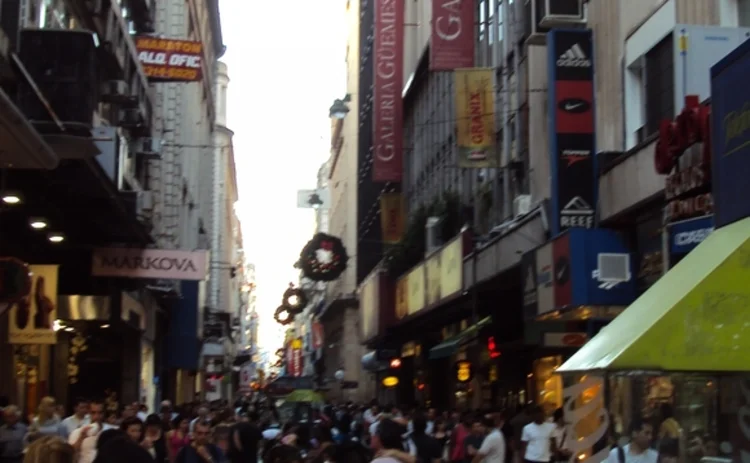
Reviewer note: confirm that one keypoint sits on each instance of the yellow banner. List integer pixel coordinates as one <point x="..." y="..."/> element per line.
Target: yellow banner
<point x="416" y="296"/>
<point x="452" y="268"/>
<point x="392" y="217"/>
<point x="31" y="320"/>
<point x="475" y="117"/>
<point x="433" y="279"/>
<point x="402" y="297"/>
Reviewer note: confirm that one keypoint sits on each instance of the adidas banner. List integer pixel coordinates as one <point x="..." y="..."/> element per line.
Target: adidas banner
<point x="571" y="128"/>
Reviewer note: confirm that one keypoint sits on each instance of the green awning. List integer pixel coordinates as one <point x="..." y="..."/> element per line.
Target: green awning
<point x="451" y="346"/>
<point x="695" y="318"/>
<point x="304" y="395"/>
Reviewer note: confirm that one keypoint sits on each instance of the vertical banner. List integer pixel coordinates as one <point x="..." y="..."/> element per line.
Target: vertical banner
<point x="475" y="117"/>
<point x="392" y="217"/>
<point x="571" y="128"/>
<point x="561" y="267"/>
<point x="388" y="82"/>
<point x="32" y="318"/>
<point x="530" y="295"/>
<point x="452" y="38"/>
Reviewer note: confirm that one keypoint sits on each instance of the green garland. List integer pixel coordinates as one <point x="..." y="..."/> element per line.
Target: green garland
<point x="283" y="320"/>
<point x="294" y="309"/>
<point x="317" y="270"/>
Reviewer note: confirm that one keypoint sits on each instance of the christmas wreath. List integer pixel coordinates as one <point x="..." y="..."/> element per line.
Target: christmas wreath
<point x="283" y="316"/>
<point x="324" y="258"/>
<point x="295" y="300"/>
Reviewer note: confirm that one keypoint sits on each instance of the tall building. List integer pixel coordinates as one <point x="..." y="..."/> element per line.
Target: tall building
<point x="109" y="202"/>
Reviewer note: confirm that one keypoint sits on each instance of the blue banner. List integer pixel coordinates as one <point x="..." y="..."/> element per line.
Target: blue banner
<point x="686" y="235"/>
<point x="730" y="135"/>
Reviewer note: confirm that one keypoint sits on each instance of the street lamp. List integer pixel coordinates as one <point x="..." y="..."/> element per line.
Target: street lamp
<point x="339" y="109"/>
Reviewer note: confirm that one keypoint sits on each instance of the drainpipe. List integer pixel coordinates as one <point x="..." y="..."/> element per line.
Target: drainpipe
<point x="519" y="98"/>
<point x="507" y="201"/>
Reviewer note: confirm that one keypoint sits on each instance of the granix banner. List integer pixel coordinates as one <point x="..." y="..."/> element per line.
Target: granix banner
<point x="164" y="264"/>
<point x="387" y="165"/>
<point x="571" y="128"/>
<point x="452" y="38"/>
<point x="169" y="60"/>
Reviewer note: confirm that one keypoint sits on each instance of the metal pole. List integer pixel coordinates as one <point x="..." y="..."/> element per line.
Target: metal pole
<point x="507" y="201"/>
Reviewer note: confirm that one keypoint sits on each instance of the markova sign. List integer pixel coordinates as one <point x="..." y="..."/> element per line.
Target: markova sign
<point x="150" y="263"/>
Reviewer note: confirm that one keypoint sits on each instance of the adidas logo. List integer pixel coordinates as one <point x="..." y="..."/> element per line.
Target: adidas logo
<point x="574" y="58"/>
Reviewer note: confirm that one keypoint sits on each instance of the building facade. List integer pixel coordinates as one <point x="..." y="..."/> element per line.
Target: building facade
<point x="508" y="230"/>
<point x="119" y="155"/>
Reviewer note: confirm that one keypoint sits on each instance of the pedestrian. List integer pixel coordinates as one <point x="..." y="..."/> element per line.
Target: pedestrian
<point x="49" y="449"/>
<point x="12" y="435"/>
<point x="46" y="422"/>
<point x="201" y="450"/>
<point x="84" y="439"/>
<point x="78" y="419"/>
<point x="244" y="441"/>
<point x="122" y="449"/>
<point x="638" y="450"/>
<point x="537" y="442"/>
<point x="473" y="441"/>
<point x="426" y="448"/>
<point x="387" y="442"/>
<point x="493" y="447"/>
<point x="562" y="436"/>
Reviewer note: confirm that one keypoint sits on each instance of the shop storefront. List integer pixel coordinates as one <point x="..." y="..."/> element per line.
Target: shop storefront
<point x="677" y="356"/>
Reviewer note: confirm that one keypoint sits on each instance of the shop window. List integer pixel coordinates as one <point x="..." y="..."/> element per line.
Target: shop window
<point x="659" y="84"/>
<point x="546" y="384"/>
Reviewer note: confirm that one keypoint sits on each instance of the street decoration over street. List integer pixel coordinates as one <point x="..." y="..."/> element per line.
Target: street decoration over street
<point x="283" y="316"/>
<point x="294" y="300"/>
<point x="324" y="258"/>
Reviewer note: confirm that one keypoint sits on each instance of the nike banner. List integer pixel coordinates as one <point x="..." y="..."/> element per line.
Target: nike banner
<point x="571" y="123"/>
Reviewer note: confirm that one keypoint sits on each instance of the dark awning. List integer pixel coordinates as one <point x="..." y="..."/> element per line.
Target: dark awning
<point x="451" y="346"/>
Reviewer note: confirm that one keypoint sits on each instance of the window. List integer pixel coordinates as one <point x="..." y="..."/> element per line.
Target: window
<point x="659" y="84"/>
<point x="743" y="13"/>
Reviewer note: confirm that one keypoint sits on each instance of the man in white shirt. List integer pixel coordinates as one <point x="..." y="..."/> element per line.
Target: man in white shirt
<point x="84" y="439"/>
<point x="493" y="446"/>
<point x="537" y="442"/>
<point x="638" y="450"/>
<point x="77" y="420"/>
<point x="202" y="416"/>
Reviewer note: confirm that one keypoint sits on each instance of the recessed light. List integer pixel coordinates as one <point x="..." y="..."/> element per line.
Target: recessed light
<point x="38" y="224"/>
<point x="69" y="329"/>
<point x="56" y="237"/>
<point x="106" y="325"/>
<point x="11" y="198"/>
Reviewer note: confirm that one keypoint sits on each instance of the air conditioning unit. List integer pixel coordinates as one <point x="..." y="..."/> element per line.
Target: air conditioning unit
<point x="539" y="16"/>
<point x="145" y="202"/>
<point x="560" y="13"/>
<point x="432" y="233"/>
<point x="115" y="91"/>
<point x="148" y="147"/>
<point x="130" y="118"/>
<point x="521" y="205"/>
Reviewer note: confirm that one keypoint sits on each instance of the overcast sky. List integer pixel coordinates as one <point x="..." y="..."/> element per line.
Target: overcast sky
<point x="286" y="66"/>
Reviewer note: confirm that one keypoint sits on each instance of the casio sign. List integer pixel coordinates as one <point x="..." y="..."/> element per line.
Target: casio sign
<point x="692" y="237"/>
<point x="574" y="105"/>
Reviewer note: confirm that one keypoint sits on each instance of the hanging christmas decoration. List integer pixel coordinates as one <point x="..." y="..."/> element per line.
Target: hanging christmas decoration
<point x="283" y="316"/>
<point x="324" y="258"/>
<point x="295" y="300"/>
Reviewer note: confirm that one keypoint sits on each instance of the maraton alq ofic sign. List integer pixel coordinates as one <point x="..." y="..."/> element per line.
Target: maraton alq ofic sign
<point x="168" y="60"/>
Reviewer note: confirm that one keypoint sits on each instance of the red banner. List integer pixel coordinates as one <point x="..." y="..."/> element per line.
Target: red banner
<point x="387" y="126"/>
<point x="452" y="39"/>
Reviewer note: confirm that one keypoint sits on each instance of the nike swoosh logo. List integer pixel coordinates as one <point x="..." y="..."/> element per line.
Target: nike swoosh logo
<point x="571" y="106"/>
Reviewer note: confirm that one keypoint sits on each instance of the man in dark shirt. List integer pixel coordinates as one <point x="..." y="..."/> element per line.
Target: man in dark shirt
<point x="473" y="441"/>
<point x="201" y="450"/>
<point x="243" y="443"/>
<point x="427" y="449"/>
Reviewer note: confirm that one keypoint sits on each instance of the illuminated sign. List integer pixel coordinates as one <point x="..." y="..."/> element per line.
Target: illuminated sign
<point x="396" y="363"/>
<point x="168" y="60"/>
<point x="390" y="381"/>
<point x="463" y="371"/>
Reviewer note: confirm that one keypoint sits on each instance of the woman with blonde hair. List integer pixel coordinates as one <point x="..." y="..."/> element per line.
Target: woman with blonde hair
<point x="46" y="422"/>
<point x="49" y="449"/>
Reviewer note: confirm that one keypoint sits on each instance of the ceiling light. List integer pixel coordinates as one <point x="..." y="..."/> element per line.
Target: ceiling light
<point x="11" y="198"/>
<point x="69" y="329"/>
<point x="56" y="237"/>
<point x="38" y="224"/>
<point x="106" y="325"/>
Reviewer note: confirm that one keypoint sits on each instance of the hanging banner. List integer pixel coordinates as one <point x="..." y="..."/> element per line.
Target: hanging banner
<point x="392" y="217"/>
<point x="475" y="118"/>
<point x="31" y="319"/>
<point x="387" y="165"/>
<point x="297" y="361"/>
<point x="571" y="128"/>
<point x="452" y="39"/>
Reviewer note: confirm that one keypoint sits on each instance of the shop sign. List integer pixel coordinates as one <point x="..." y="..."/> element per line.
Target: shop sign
<point x="730" y="124"/>
<point x="464" y="372"/>
<point x="686" y="235"/>
<point x="688" y="183"/>
<point x="432" y="266"/>
<point x="164" y="264"/>
<point x="317" y="335"/>
<point x="390" y="381"/>
<point x="416" y="283"/>
<point x="168" y="60"/>
<point x="31" y="319"/>
<point x="571" y="116"/>
<point x="452" y="267"/>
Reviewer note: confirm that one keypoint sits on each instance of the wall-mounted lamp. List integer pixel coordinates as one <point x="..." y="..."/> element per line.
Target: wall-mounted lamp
<point x="339" y="109"/>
